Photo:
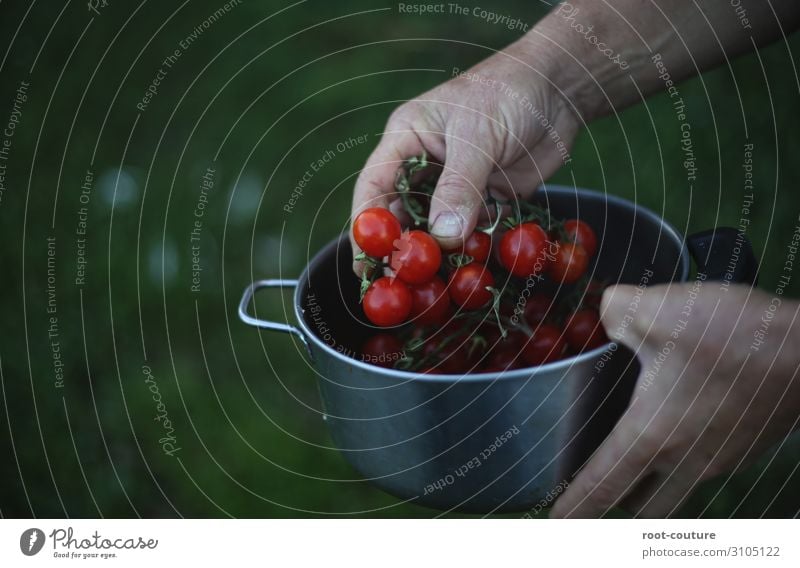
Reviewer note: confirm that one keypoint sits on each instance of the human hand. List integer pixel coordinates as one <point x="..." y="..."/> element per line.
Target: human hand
<point x="709" y="398"/>
<point x="503" y="126"/>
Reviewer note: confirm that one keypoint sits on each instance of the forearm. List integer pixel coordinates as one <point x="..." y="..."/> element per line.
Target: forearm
<point x="602" y="54"/>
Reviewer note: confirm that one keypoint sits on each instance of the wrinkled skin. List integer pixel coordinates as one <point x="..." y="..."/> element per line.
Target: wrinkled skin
<point x="486" y="134"/>
<point x="711" y="407"/>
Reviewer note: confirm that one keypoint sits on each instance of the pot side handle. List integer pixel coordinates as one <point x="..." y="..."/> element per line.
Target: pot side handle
<point x="247" y="296"/>
<point x="724" y="253"/>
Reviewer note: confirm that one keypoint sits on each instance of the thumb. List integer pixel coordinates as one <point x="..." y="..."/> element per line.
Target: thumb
<point x="460" y="192"/>
<point x="612" y="472"/>
<point x="624" y="311"/>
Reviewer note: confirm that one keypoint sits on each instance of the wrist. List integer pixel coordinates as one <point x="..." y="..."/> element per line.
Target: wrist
<point x="587" y="57"/>
<point x="556" y="59"/>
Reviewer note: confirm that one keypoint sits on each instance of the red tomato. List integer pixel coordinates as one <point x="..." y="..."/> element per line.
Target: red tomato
<point x="569" y="264"/>
<point x="504" y="354"/>
<point x="507" y="307"/>
<point x="429" y="302"/>
<point x="584" y="330"/>
<point x="417" y="258"/>
<point x="468" y="286"/>
<point x="594" y="293"/>
<point x="523" y="250"/>
<point x="581" y="234"/>
<point x="375" y="230"/>
<point x="448" y="360"/>
<point x="478" y="246"/>
<point x="382" y="350"/>
<point x="503" y="358"/>
<point x="490" y="333"/>
<point x="387" y="302"/>
<point x="537" y="308"/>
<point x="545" y="346"/>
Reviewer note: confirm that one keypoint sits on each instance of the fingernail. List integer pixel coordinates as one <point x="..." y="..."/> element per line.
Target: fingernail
<point x="447" y="225"/>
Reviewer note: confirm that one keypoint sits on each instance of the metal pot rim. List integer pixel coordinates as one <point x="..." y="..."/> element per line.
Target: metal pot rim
<point x="526" y="372"/>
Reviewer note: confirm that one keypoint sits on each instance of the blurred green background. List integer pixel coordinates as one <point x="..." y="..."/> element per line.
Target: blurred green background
<point x="258" y="95"/>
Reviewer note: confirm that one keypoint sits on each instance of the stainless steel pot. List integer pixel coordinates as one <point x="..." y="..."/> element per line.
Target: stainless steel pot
<point x="488" y="442"/>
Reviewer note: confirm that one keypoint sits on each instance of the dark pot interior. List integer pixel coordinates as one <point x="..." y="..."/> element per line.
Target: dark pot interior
<point x="632" y="241"/>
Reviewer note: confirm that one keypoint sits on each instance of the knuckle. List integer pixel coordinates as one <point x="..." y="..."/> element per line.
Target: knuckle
<point x="455" y="189"/>
<point x="646" y="447"/>
<point x="714" y="468"/>
<point x="401" y="117"/>
<point x="599" y="492"/>
<point x="450" y="182"/>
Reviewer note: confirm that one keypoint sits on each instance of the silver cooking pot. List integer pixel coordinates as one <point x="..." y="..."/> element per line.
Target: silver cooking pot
<point x="488" y="442"/>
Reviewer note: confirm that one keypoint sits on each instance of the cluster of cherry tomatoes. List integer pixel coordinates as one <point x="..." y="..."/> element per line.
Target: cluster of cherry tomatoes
<point x="524" y="299"/>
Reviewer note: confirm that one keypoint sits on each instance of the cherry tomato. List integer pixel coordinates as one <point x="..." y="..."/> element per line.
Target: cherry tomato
<point x="387" y="302"/>
<point x="504" y="354"/>
<point x="478" y="246"/>
<point x="448" y="360"/>
<point x="382" y="350"/>
<point x="544" y="346"/>
<point x="584" y="330"/>
<point x="569" y="264"/>
<point x="375" y="230"/>
<point x="594" y="293"/>
<point x="581" y="234"/>
<point x="491" y="333"/>
<point x="523" y="250"/>
<point x="507" y="307"/>
<point x="537" y="308"/>
<point x="429" y="302"/>
<point x="417" y="258"/>
<point x="502" y="358"/>
<point x="468" y="286"/>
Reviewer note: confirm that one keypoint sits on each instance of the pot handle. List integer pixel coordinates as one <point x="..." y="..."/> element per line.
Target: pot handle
<point x="724" y="253"/>
<point x="247" y="296"/>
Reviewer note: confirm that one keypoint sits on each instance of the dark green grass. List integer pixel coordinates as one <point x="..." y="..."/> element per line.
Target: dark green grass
<point x="233" y="399"/>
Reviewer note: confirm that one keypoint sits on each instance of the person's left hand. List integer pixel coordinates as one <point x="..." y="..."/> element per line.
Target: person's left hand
<point x="708" y="400"/>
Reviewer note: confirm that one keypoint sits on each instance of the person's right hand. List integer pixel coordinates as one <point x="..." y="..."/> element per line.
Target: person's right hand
<point x="715" y="391"/>
<point x="505" y="128"/>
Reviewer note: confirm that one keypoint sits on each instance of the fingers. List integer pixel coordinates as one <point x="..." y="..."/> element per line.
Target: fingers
<point x="488" y="212"/>
<point x="628" y="313"/>
<point x="375" y="184"/>
<point x="514" y="182"/>
<point x="614" y="469"/>
<point x="397" y="209"/>
<point x="459" y="195"/>
<point x="660" y="495"/>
